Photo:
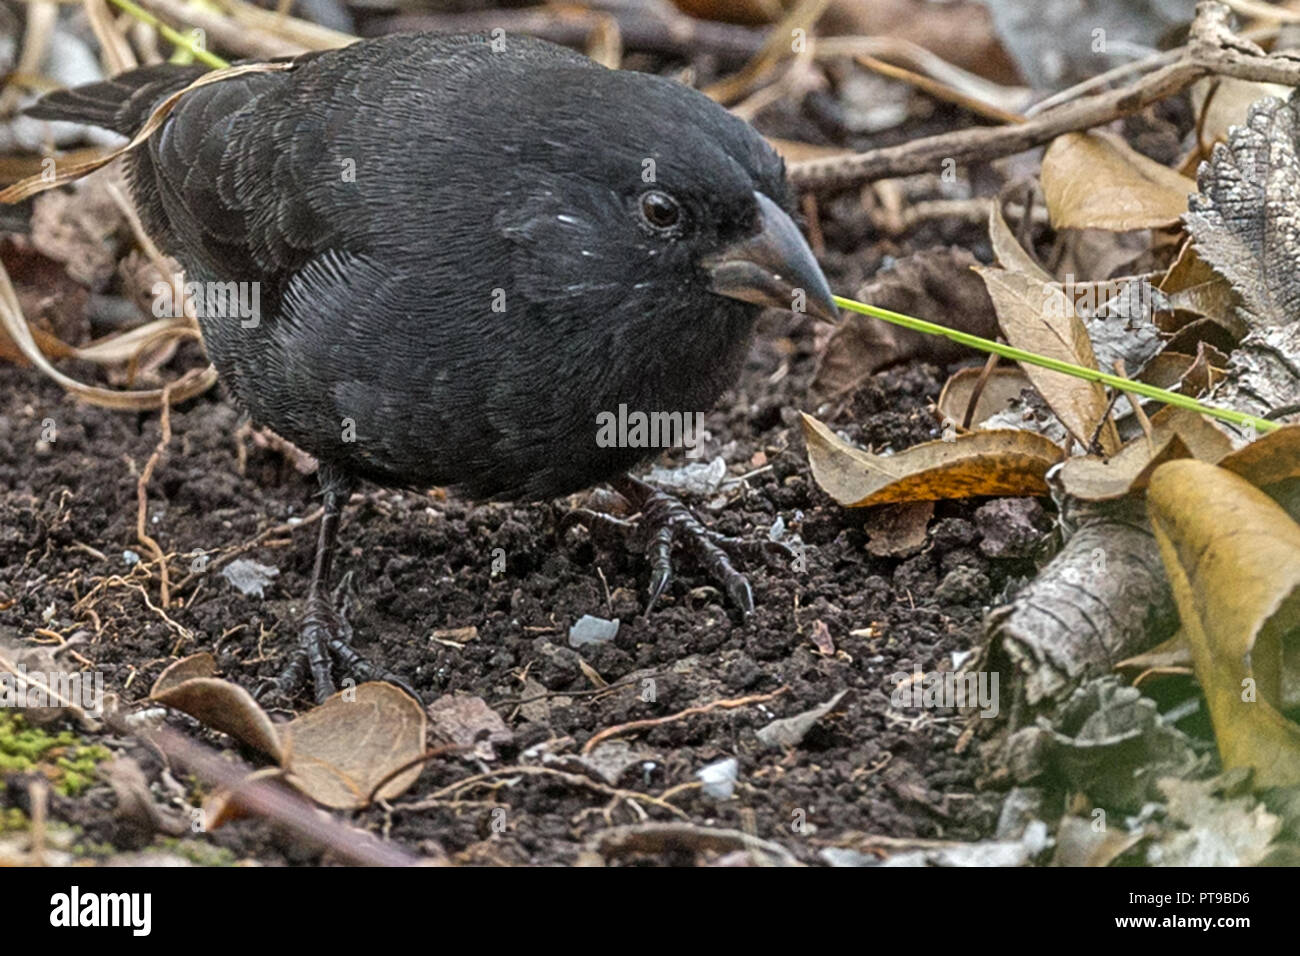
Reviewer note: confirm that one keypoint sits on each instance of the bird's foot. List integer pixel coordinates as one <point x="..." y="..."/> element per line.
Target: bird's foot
<point x="325" y="639"/>
<point x="665" y="521"/>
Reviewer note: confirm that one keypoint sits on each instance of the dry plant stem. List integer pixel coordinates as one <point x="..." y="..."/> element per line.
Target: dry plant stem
<point x="268" y="799"/>
<point x="1136" y="405"/>
<point x="989" y="365"/>
<point x="223" y="32"/>
<point x="577" y="780"/>
<point x="116" y="51"/>
<point x="304" y="33"/>
<point x="940" y="90"/>
<point x="1214" y="50"/>
<point x="142" y="498"/>
<point x="777" y="47"/>
<point x="680" y="715"/>
<point x="40" y="22"/>
<point x="1102" y="80"/>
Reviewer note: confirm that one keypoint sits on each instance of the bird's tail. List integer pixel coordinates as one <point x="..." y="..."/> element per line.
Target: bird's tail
<point x="121" y="104"/>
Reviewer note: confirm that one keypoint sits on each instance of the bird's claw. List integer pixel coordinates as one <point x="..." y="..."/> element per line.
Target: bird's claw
<point x="665" y="520"/>
<point x="325" y="638"/>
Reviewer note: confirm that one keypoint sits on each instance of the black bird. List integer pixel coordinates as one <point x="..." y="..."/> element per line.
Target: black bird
<point x="464" y="248"/>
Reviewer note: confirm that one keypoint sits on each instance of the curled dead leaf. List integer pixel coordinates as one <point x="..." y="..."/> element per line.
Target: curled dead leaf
<point x="1268" y="459"/>
<point x="223" y="706"/>
<point x="202" y="664"/>
<point x="339" y="752"/>
<point x="1039" y="317"/>
<point x="1000" y="388"/>
<point x="1000" y="462"/>
<point x="1176" y="433"/>
<point x="1233" y="560"/>
<point x="1011" y="255"/>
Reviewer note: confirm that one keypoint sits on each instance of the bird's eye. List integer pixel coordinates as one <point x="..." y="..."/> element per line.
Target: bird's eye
<point x="660" y="210"/>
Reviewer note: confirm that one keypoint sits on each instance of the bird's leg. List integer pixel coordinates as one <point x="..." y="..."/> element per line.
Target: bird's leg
<point x="665" y="520"/>
<point x="325" y="635"/>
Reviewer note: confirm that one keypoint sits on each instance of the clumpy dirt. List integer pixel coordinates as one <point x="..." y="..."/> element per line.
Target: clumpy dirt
<point x="422" y="564"/>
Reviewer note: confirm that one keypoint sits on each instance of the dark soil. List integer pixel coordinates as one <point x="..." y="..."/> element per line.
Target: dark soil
<point x="422" y="563"/>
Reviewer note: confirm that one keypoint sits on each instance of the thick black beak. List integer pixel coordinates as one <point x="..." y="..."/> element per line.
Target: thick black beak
<point x="774" y="268"/>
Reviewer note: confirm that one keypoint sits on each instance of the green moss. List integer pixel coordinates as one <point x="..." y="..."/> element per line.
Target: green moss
<point x="62" y="757"/>
<point x="101" y="850"/>
<point x="12" y="820"/>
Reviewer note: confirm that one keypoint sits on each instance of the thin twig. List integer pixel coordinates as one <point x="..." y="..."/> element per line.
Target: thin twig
<point x="680" y="715"/>
<point x="1214" y="50"/>
<point x="142" y="498"/>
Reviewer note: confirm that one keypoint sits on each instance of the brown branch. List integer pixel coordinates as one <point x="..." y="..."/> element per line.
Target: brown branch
<point x="1213" y="50"/>
<point x="268" y="799"/>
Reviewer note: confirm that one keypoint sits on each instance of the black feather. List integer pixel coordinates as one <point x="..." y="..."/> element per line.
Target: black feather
<point x="384" y="198"/>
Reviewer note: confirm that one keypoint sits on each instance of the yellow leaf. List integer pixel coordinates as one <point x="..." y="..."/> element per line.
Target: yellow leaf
<point x="1233" y="559"/>
<point x="1005" y="462"/>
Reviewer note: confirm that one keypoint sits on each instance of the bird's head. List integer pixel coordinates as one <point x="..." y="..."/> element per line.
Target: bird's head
<point x="640" y="191"/>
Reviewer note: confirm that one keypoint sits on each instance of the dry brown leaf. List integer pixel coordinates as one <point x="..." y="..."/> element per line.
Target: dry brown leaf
<point x="1268" y="459"/>
<point x="1176" y="433"/>
<point x="338" y="753"/>
<point x="1167" y="369"/>
<point x="1194" y="289"/>
<point x="1222" y="102"/>
<point x="1103" y="479"/>
<point x="1233" y="559"/>
<point x="335" y="753"/>
<point x="223" y="706"/>
<point x="1002" y="386"/>
<point x="979" y="463"/>
<point x="1095" y="180"/>
<point x="1039" y="317"/>
<point x="178" y="672"/>
<point x="1011" y="255"/>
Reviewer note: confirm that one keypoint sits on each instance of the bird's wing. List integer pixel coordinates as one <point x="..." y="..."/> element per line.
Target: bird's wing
<point x="252" y="177"/>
